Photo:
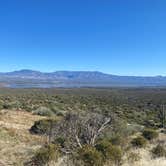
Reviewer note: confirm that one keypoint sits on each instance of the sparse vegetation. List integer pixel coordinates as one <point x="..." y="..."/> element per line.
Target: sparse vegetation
<point x="87" y="126"/>
<point x="159" y="151"/>
<point x="133" y="157"/>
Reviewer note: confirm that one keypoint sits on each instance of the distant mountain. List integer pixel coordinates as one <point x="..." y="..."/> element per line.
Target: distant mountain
<point x="22" y="73"/>
<point x="31" y="79"/>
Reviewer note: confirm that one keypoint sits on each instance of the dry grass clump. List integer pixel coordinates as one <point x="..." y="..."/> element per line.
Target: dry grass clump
<point x="44" y="155"/>
<point x="139" y="142"/>
<point x="159" y="151"/>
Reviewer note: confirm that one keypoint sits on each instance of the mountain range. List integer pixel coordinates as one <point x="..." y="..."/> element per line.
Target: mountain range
<point x="37" y="79"/>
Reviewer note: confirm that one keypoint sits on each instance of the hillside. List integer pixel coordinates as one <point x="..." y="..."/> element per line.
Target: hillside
<point x="16" y="143"/>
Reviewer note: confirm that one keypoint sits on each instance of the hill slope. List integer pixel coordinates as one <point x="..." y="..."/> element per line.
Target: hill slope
<point x="16" y="143"/>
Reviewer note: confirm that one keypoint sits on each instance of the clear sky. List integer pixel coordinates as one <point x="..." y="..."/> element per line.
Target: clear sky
<point x="125" y="37"/>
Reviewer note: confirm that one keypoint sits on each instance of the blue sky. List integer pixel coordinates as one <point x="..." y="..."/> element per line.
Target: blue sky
<point x="125" y="37"/>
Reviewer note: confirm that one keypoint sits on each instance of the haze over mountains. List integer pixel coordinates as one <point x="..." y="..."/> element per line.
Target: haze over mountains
<point x="32" y="79"/>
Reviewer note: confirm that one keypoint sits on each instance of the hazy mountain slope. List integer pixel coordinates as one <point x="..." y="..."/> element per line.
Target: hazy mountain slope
<point x="30" y="78"/>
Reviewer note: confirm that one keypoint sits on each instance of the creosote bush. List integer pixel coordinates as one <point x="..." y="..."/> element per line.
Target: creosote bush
<point x="104" y="146"/>
<point x="46" y="154"/>
<point x="110" y="152"/>
<point x="159" y="151"/>
<point x="90" y="156"/>
<point x="115" y="155"/>
<point x="139" y="142"/>
<point x="150" y="134"/>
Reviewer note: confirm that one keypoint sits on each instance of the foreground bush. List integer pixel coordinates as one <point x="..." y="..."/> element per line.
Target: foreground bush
<point x="90" y="156"/>
<point x="110" y="152"/>
<point x="45" y="154"/>
<point x="159" y="151"/>
<point x="104" y="147"/>
<point x="139" y="142"/>
<point x="150" y="134"/>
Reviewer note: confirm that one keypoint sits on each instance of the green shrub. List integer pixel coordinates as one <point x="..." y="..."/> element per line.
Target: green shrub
<point x="43" y="111"/>
<point x="1" y="107"/>
<point x="42" y="126"/>
<point x="46" y="154"/>
<point x="115" y="155"/>
<point x="104" y="147"/>
<point x="90" y="156"/>
<point x="139" y="142"/>
<point x="109" y="151"/>
<point x="159" y="151"/>
<point x="150" y="134"/>
<point x="7" y="106"/>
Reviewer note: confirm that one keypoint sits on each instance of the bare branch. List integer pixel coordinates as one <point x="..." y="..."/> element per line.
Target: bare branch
<point x="78" y="130"/>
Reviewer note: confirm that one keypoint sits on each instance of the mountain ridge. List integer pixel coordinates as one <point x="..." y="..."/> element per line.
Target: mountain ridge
<point x="72" y="71"/>
<point x="33" y="78"/>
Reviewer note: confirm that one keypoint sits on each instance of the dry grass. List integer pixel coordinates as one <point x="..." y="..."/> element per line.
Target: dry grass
<point x="145" y="154"/>
<point x="146" y="159"/>
<point x="16" y="143"/>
